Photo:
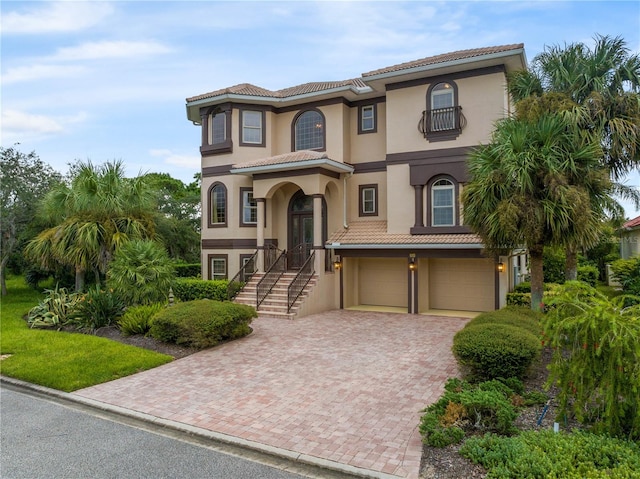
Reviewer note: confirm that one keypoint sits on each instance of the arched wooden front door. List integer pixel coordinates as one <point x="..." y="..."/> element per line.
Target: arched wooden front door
<point x="300" y="236"/>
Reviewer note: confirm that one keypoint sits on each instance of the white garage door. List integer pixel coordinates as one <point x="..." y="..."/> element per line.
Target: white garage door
<point x="383" y="281"/>
<point x="462" y="284"/>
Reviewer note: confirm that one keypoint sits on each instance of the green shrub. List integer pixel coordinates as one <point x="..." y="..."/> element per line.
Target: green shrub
<point x="184" y="270"/>
<point x="627" y="272"/>
<point x="202" y="323"/>
<point x="54" y="310"/>
<point x="141" y="273"/>
<point x="493" y="350"/>
<point x="190" y="289"/>
<point x="523" y="287"/>
<point x="465" y="407"/>
<point x="534" y="454"/>
<point x="589" y="274"/>
<point x="97" y="308"/>
<point x="524" y="299"/>
<point x="596" y="359"/>
<point x="518" y="316"/>
<point x="138" y="319"/>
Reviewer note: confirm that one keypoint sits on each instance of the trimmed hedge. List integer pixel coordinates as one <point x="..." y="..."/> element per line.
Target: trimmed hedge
<point x="519" y="316"/>
<point x="190" y="289"/>
<point x="184" y="270"/>
<point x="494" y="350"/>
<point x="202" y="323"/>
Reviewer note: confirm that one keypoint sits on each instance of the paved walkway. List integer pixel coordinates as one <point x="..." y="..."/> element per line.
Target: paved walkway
<point x="342" y="386"/>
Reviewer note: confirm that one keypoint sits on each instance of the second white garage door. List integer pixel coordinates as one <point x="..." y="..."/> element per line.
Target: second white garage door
<point x="461" y="284"/>
<point x="383" y="281"/>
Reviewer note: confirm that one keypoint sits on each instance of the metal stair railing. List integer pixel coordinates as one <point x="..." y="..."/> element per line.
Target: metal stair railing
<point x="270" y="278"/>
<point x="307" y="270"/>
<point x="242" y="277"/>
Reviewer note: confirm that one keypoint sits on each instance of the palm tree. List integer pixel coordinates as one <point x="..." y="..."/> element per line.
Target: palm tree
<point x="522" y="190"/>
<point x="96" y="214"/>
<point x="606" y="82"/>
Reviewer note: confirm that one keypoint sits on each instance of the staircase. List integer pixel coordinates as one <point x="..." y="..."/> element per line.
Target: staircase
<point x="275" y="304"/>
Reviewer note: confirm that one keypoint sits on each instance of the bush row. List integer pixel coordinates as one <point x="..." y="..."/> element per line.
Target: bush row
<point x="483" y="407"/>
<point x="499" y="344"/>
<point x="202" y="323"/>
<point x="190" y="289"/>
<point x="578" y="455"/>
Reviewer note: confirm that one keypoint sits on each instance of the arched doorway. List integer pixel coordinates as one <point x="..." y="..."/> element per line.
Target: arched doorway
<point x="300" y="235"/>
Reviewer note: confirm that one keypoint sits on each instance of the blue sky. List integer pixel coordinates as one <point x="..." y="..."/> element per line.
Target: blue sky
<point x="89" y="80"/>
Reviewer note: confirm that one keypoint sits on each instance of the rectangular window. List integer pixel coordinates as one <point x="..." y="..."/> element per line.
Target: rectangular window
<point x="367" y="119"/>
<point x="252" y="127"/>
<point x="218" y="128"/>
<point x="249" y="207"/>
<point x="442" y="207"/>
<point x="217" y="266"/>
<point x="368" y="200"/>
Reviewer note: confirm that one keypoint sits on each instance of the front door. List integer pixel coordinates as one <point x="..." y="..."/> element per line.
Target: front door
<point x="300" y="241"/>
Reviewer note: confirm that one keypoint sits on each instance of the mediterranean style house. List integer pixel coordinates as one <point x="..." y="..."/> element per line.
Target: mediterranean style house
<point x="630" y="239"/>
<point x="347" y="194"/>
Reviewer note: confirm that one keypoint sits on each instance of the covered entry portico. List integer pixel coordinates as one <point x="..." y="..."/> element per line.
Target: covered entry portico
<point x="299" y="197"/>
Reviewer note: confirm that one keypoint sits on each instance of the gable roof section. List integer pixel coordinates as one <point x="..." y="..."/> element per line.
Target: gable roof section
<point x="296" y="160"/>
<point x="373" y="235"/>
<point x="632" y="224"/>
<point x="445" y="57"/>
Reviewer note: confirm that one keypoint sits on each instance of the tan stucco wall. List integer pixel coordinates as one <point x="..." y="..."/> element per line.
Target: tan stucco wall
<point x="482" y="99"/>
<point x="353" y="192"/>
<point x="368" y="147"/>
<point x="400" y="204"/>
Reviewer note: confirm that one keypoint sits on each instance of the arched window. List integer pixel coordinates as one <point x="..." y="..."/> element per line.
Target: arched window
<point x="309" y="131"/>
<point x="442" y="203"/>
<point x="217" y="205"/>
<point x="442" y="111"/>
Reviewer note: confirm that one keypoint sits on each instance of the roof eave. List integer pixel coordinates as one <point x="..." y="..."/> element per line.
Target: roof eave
<point x="338" y="245"/>
<point x="295" y="165"/>
<point x="446" y="64"/>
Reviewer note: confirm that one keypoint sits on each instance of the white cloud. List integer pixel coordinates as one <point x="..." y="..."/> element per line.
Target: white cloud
<point x="40" y="72"/>
<point x="18" y="125"/>
<point x="58" y="17"/>
<point x="171" y="158"/>
<point x="110" y="49"/>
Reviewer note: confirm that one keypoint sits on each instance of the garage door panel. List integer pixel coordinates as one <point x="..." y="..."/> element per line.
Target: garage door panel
<point x="461" y="284"/>
<point x="383" y="282"/>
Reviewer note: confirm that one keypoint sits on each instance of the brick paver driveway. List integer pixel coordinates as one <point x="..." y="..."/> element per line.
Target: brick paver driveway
<point x="342" y="386"/>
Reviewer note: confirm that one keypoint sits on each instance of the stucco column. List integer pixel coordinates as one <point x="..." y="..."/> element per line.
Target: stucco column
<point x="317" y="233"/>
<point x="260" y="204"/>
<point x="419" y="220"/>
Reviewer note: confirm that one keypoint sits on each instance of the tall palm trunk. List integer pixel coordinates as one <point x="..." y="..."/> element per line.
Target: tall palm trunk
<point x="537" y="276"/>
<point x="79" y="279"/>
<point x="571" y="264"/>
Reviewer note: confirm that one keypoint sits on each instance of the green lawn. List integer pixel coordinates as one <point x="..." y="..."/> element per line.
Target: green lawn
<point x="60" y="360"/>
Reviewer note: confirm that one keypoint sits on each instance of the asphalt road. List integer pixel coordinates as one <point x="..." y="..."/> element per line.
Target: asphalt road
<point x="42" y="438"/>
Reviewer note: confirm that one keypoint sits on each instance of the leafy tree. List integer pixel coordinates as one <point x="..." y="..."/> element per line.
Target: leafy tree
<point x="604" y="80"/>
<point x="178" y="221"/>
<point x="141" y="273"/>
<point x="24" y="178"/>
<point x="523" y="188"/>
<point x="98" y="212"/>
<point x="596" y="344"/>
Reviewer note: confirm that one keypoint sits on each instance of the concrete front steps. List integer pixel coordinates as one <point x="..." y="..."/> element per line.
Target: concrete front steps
<point x="275" y="304"/>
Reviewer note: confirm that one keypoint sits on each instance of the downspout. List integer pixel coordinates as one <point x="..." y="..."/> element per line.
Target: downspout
<point x="345" y="225"/>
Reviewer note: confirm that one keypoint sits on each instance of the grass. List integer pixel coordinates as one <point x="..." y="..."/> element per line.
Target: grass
<point x="61" y="360"/>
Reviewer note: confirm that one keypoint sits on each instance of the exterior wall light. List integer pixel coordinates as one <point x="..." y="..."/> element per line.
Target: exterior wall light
<point x="500" y="267"/>
<point x="413" y="265"/>
<point x="337" y="264"/>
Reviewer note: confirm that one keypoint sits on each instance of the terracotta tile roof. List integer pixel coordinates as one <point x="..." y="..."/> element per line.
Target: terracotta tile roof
<point x="296" y="156"/>
<point x="375" y="233"/>
<point x="635" y="222"/>
<point x="247" y="89"/>
<point x="445" y="57"/>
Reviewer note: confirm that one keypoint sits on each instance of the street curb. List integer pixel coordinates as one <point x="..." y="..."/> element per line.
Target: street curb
<point x="153" y="422"/>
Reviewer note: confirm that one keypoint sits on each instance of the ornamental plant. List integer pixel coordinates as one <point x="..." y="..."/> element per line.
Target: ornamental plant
<point x="596" y="360"/>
